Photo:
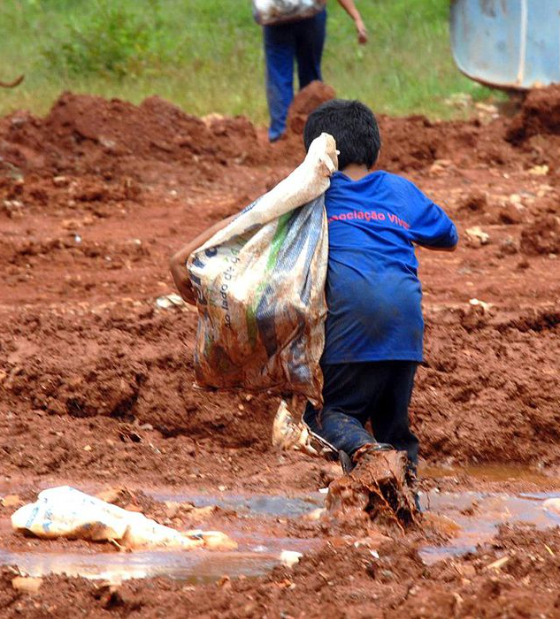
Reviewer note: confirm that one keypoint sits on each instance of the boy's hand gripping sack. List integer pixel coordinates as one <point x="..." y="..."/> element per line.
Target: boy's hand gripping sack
<point x="260" y="284"/>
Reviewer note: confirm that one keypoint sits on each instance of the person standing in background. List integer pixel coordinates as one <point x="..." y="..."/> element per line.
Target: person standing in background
<point x="296" y="39"/>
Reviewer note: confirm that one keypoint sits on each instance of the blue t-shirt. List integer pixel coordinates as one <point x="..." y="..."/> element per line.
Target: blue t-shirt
<point x="373" y="292"/>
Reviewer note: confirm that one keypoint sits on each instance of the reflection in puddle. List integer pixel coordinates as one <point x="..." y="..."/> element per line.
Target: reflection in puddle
<point x="265" y="505"/>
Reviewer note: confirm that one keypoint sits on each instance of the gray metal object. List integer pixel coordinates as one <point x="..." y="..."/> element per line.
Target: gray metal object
<point x="509" y="44"/>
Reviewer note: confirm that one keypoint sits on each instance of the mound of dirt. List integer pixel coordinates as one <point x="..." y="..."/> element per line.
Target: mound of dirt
<point x="87" y="133"/>
<point x="416" y="143"/>
<point x="540" y="114"/>
<point x="307" y="100"/>
<point x="140" y="374"/>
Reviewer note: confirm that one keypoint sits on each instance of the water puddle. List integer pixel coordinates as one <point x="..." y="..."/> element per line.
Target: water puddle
<point x="250" y="505"/>
<point x="474" y="518"/>
<point x="491" y="473"/>
<point x="256" y="555"/>
<point x="251" y="559"/>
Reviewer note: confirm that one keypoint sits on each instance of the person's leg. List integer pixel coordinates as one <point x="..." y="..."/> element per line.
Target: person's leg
<point x="279" y="50"/>
<point x="389" y="417"/>
<point x="310" y="40"/>
<point x="347" y="398"/>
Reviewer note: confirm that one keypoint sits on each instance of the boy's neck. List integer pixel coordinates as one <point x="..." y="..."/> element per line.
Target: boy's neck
<point x="356" y="171"/>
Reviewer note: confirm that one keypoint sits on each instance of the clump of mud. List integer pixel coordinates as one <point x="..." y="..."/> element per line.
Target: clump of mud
<point x="307" y="100"/>
<point x="379" y="490"/>
<point x="542" y="236"/>
<point x="473" y="202"/>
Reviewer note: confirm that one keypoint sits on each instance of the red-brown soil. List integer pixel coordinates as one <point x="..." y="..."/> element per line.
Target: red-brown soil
<point x="96" y="379"/>
<point x="341" y="581"/>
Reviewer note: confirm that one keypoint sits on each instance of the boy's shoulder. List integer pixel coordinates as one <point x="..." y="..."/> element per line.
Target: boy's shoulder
<point x="397" y="181"/>
<point x="401" y="186"/>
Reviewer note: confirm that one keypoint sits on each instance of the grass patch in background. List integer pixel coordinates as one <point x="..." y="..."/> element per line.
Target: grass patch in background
<point x="114" y="43"/>
<point x="206" y="55"/>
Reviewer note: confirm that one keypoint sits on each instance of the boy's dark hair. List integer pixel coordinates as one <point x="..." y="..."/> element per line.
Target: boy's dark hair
<point x="354" y="127"/>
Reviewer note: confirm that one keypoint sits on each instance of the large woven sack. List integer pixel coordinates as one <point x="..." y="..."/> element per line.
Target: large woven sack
<point x="260" y="284"/>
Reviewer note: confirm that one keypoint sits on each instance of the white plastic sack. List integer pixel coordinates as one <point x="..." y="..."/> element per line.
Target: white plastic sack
<point x="260" y="284"/>
<point x="273" y="12"/>
<point x="67" y="512"/>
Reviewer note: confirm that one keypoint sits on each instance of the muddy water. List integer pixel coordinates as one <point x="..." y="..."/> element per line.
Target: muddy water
<point x="472" y="517"/>
<point x="262" y="505"/>
<point x="476" y="517"/>
<point x="253" y="558"/>
<point x="491" y="473"/>
<point x="256" y="554"/>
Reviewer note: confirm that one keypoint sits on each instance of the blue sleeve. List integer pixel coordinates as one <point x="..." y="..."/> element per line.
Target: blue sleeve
<point x="429" y="224"/>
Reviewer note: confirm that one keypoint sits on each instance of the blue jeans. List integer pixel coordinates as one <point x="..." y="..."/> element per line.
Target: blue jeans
<point x="302" y="41"/>
<point x="378" y="392"/>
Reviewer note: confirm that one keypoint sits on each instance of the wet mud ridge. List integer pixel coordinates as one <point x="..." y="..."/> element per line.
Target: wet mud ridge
<point x="96" y="378"/>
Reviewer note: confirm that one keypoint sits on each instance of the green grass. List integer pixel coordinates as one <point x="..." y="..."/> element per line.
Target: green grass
<point x="206" y="55"/>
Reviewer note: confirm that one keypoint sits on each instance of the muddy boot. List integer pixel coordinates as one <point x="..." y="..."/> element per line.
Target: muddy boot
<point x="369" y="448"/>
<point x="378" y="489"/>
<point x="412" y="482"/>
<point x="345" y="462"/>
<point x="348" y="463"/>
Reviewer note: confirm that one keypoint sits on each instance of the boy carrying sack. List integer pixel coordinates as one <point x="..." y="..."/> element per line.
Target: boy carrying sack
<point x="374" y="325"/>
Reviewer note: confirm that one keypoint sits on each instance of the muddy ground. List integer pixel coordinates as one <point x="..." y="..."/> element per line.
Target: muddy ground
<point x="96" y="378"/>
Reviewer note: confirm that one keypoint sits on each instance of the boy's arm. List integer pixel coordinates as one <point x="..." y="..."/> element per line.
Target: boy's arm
<point x="350" y="8"/>
<point x="439" y="233"/>
<point x="430" y="226"/>
<point x="450" y="248"/>
<point x="178" y="262"/>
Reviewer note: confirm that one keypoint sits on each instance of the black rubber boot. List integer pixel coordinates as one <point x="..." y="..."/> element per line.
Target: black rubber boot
<point x="370" y="447"/>
<point x="345" y="462"/>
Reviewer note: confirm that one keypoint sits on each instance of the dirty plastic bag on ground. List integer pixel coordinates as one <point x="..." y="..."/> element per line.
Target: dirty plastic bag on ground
<point x="260" y="286"/>
<point x="67" y="512"/>
<point x="272" y="12"/>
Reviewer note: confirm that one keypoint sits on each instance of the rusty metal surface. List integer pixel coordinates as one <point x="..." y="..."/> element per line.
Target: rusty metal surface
<point x="511" y="44"/>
